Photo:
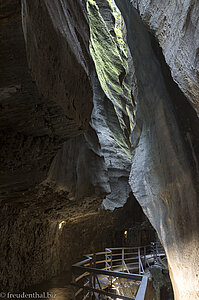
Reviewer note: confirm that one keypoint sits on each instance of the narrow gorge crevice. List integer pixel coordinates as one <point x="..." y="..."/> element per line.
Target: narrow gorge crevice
<point x="56" y="167"/>
<point x="99" y="134"/>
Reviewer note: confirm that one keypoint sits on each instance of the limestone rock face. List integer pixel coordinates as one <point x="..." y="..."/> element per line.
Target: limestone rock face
<point x="164" y="174"/>
<point x="112" y="115"/>
<point x="27" y="247"/>
<point x="57" y="38"/>
<point x="66" y="125"/>
<point x="59" y="162"/>
<point x="83" y="173"/>
<point x="32" y="129"/>
<point x="117" y="158"/>
<point x="38" y="118"/>
<point x="98" y="162"/>
<point x="176" y="26"/>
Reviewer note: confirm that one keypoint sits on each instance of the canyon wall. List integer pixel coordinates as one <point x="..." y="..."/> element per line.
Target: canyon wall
<point x="65" y="142"/>
<point x="176" y="26"/>
<point x="164" y="173"/>
<point x="68" y="150"/>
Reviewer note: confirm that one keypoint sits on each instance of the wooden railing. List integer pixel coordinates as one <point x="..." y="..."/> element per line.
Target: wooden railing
<point x="94" y="275"/>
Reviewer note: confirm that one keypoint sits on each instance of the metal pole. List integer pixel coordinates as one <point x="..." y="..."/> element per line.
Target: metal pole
<point x="90" y="279"/>
<point x="106" y="258"/>
<point x="139" y="258"/>
<point x="111" y="268"/>
<point x="94" y="266"/>
<point x="156" y="252"/>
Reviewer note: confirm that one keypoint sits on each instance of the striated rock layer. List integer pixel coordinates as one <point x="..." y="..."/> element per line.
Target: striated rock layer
<point x="164" y="174"/>
<point x="112" y="115"/>
<point x="176" y="26"/>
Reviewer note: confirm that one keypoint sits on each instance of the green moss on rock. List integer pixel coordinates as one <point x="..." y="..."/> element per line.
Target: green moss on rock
<point x="109" y="54"/>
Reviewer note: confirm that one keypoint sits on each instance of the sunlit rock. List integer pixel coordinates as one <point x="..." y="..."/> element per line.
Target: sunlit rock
<point x="164" y="174"/>
<point x="176" y="26"/>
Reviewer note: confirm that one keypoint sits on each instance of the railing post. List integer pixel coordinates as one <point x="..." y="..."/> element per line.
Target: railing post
<point x="94" y="266"/>
<point x="90" y="278"/>
<point x="155" y="251"/>
<point x="139" y="258"/>
<point x="93" y="273"/>
<point x="144" y="257"/>
<point x="122" y="259"/>
<point x="111" y="268"/>
<point x="141" y="294"/>
<point x="106" y="258"/>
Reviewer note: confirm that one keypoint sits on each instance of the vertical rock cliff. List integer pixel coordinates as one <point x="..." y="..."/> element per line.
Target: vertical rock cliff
<point x="112" y="114"/>
<point x="175" y="25"/>
<point x="164" y="173"/>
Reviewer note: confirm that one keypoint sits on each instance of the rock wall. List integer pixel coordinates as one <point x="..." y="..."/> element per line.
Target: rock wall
<point x="66" y="124"/>
<point x="58" y="56"/>
<point x="29" y="248"/>
<point x="164" y="174"/>
<point x="32" y="129"/>
<point x="59" y="162"/>
<point x="83" y="173"/>
<point x="36" y="247"/>
<point x="117" y="158"/>
<point x="112" y="115"/>
<point x="96" y="231"/>
<point x="176" y="26"/>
